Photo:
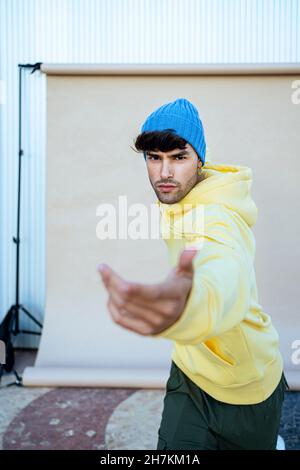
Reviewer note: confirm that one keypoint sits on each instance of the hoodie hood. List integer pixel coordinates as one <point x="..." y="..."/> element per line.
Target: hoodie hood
<point x="229" y="185"/>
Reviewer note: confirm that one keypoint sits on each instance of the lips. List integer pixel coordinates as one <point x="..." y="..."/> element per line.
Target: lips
<point x="166" y="186"/>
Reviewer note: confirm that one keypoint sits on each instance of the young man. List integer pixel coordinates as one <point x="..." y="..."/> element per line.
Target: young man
<point x="226" y="384"/>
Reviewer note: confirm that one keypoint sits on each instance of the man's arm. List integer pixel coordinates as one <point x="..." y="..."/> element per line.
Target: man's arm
<point x="208" y="292"/>
<point x="148" y="309"/>
<point x="219" y="297"/>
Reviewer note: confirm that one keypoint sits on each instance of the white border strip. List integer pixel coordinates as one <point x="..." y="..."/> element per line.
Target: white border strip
<point x="172" y="69"/>
<point x="95" y="377"/>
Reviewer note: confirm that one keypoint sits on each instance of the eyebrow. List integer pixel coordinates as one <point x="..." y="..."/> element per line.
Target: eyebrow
<point x="179" y="154"/>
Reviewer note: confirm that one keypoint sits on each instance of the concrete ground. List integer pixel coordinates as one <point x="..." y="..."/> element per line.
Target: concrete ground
<point x="95" y="418"/>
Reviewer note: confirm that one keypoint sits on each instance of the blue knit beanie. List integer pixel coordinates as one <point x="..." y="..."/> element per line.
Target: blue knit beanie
<point x="182" y="117"/>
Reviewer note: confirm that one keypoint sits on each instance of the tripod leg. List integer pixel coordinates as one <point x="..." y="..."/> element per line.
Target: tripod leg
<point x="18" y="382"/>
<point x="31" y="316"/>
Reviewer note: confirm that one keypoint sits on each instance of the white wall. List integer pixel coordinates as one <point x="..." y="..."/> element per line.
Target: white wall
<point x="107" y="31"/>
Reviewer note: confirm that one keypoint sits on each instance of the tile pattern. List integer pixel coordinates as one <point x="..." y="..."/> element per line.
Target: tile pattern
<point x="290" y="421"/>
<point x="135" y="421"/>
<point x="12" y="401"/>
<point x="63" y="419"/>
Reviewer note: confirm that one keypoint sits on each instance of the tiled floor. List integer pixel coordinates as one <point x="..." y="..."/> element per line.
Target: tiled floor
<point x="64" y="418"/>
<point x="95" y="418"/>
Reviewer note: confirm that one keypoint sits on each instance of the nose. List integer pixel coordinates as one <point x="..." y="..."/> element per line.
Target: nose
<point x="166" y="170"/>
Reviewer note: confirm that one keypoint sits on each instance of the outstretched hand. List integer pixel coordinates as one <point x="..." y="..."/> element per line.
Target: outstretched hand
<point x="149" y="309"/>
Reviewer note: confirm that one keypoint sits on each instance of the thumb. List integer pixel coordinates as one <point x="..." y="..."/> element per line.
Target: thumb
<point x="185" y="263"/>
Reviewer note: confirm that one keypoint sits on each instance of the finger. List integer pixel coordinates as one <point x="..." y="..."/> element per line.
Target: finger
<point x="185" y="263"/>
<point x="114" y="280"/>
<point x="104" y="271"/>
<point x="133" y="324"/>
<point x="132" y="310"/>
<point x="141" y="294"/>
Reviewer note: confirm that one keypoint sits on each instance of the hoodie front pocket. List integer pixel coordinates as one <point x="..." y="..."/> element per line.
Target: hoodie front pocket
<point x="229" y="355"/>
<point x="213" y="349"/>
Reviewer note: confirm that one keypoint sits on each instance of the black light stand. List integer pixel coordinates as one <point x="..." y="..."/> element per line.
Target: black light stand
<point x="13" y="314"/>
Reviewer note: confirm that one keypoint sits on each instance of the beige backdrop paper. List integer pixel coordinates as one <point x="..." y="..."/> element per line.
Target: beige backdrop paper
<point x="92" y="120"/>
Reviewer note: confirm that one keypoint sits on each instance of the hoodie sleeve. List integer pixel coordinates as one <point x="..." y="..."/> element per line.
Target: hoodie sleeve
<point x="220" y="294"/>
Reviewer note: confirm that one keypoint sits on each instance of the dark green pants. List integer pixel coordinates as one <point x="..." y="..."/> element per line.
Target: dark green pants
<point x="194" y="420"/>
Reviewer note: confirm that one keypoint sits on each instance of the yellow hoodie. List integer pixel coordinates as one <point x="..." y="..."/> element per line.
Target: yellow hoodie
<point x="223" y="341"/>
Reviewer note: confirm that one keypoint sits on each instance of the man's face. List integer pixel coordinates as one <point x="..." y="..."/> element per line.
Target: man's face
<point x="173" y="174"/>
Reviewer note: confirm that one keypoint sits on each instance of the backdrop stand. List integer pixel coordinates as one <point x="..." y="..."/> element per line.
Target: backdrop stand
<point x="11" y="323"/>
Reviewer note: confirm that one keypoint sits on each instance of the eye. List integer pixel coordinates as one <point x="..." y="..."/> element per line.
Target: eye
<point x="152" y="157"/>
<point x="181" y="157"/>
